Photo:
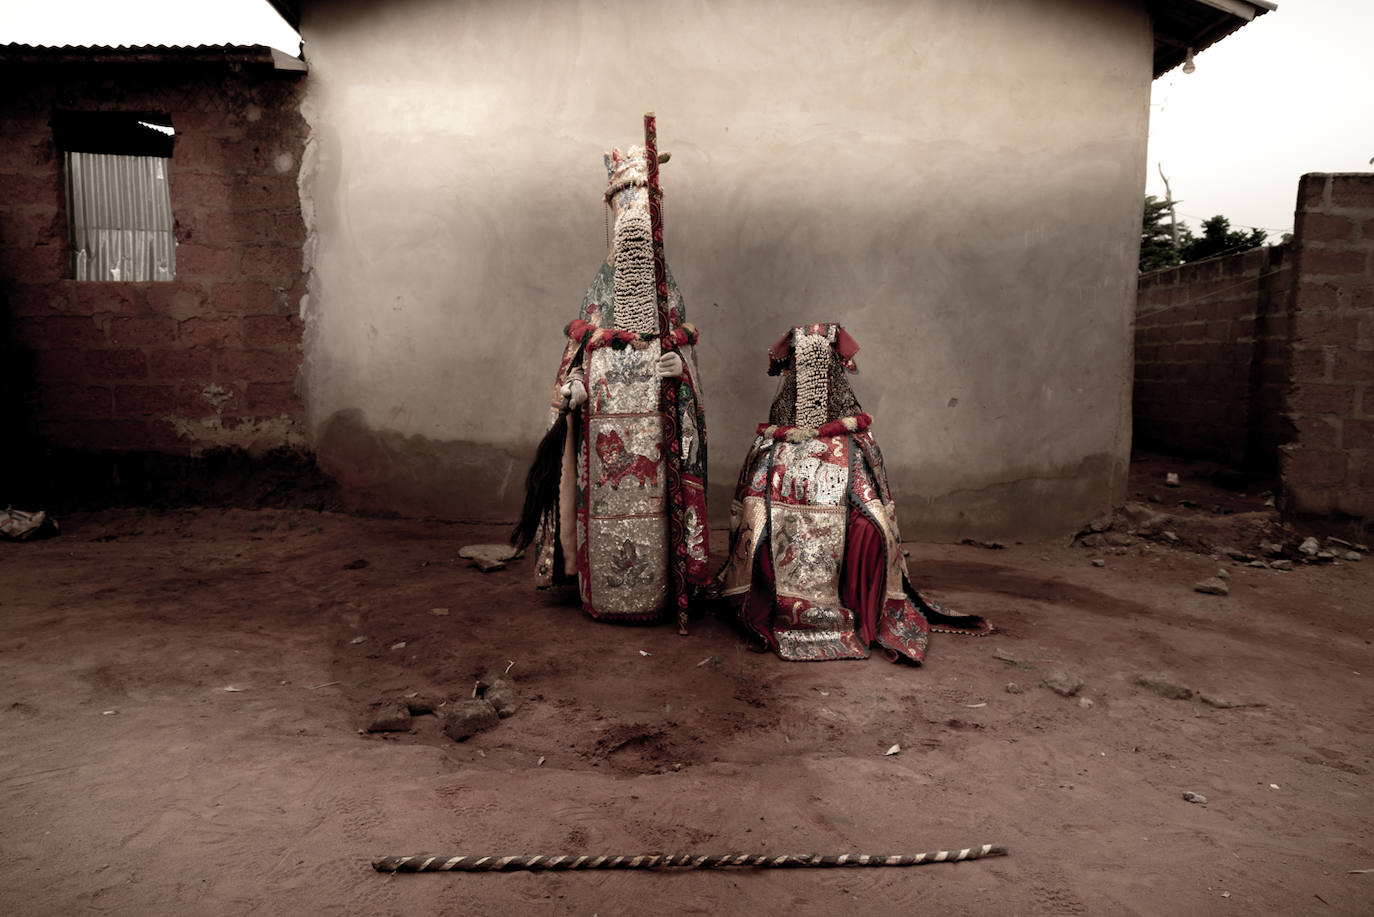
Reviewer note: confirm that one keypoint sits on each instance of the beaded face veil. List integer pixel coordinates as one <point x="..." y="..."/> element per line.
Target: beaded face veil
<point x="812" y="360"/>
<point x="627" y="192"/>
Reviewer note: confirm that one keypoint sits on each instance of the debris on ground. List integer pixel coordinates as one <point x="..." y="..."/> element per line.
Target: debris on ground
<point x="391" y="718"/>
<point x="1222" y="703"/>
<point x="1062" y="682"/>
<point x="488" y="557"/>
<point x="1013" y="688"/>
<point x="18" y="525"/>
<point x="1164" y="686"/>
<point x="502" y="697"/>
<point x="420" y="704"/>
<point x="1197" y="798"/>
<point x="466" y="718"/>
<point x="1212" y="586"/>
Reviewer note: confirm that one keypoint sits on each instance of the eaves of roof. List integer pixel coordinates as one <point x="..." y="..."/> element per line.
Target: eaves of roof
<point x="232" y="57"/>
<point x="1183" y="26"/>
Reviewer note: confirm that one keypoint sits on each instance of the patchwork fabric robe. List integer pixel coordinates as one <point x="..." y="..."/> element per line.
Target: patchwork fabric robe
<point x="610" y="533"/>
<point x="816" y="569"/>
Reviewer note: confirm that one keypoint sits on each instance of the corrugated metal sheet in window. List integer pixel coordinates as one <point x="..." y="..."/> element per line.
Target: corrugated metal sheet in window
<point x="120" y="213"/>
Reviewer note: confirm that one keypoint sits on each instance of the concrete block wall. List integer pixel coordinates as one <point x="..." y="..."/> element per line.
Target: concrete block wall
<point x="1211" y="358"/>
<point x="209" y="359"/>
<point x="1328" y="468"/>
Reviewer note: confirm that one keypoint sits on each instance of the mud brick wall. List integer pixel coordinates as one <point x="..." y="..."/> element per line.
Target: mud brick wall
<point x="1328" y="469"/>
<point x="207" y="360"/>
<point x="1211" y="358"/>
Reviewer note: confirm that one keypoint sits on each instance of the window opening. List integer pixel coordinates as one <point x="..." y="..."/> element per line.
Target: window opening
<point x="119" y="201"/>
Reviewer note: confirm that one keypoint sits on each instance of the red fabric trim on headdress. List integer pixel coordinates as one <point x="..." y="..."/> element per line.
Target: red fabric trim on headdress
<point x="780" y="354"/>
<point x="846" y="347"/>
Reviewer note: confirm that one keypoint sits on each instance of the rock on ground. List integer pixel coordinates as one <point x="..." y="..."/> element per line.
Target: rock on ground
<point x="502" y="696"/>
<point x="466" y="718"/>
<point x="1164" y="686"/>
<point x="1062" y="682"/>
<point x="1212" y="586"/>
<point x="391" y="718"/>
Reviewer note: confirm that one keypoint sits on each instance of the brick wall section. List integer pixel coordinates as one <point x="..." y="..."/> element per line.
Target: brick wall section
<point x="1210" y="358"/>
<point x="209" y="359"/>
<point x="1329" y="467"/>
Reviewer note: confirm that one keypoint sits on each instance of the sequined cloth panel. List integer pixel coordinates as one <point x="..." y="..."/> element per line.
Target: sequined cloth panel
<point x="623" y="531"/>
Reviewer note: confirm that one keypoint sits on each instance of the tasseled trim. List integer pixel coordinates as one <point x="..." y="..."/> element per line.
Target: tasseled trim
<point x="854" y="424"/>
<point x="591" y="337"/>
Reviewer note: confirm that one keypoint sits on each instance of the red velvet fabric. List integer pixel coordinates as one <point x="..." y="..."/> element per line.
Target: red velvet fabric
<point x="863" y="578"/>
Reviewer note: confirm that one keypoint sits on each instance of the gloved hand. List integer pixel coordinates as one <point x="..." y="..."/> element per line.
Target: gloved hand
<point x="575" y="390"/>
<point x="669" y="366"/>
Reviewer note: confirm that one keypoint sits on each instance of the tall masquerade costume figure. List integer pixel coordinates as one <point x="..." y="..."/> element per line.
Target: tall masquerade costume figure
<point x="816" y="569"/>
<point x="629" y="521"/>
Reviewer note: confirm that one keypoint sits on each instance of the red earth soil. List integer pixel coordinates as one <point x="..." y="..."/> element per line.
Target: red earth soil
<point x="184" y="694"/>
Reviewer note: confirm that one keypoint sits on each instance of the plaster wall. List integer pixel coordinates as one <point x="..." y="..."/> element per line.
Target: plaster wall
<point x="959" y="184"/>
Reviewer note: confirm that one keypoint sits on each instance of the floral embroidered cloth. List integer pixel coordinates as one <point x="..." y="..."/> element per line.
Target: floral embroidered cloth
<point x="816" y="569"/>
<point x="611" y="530"/>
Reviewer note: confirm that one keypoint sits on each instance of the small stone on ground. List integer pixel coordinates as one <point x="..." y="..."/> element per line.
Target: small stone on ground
<point x="1063" y="683"/>
<point x="1164" y="686"/>
<point x="1212" y="586"/>
<point x="393" y="718"/>
<point x="492" y="552"/>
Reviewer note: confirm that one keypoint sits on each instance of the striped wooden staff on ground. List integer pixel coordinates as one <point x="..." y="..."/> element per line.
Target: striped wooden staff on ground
<point x="425" y="862"/>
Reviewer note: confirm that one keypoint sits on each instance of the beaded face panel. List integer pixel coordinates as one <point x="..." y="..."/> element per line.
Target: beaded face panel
<point x="812" y="366"/>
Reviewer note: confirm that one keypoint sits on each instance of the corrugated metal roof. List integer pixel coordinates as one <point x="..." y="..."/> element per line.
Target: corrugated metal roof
<point x="252" y="55"/>
<point x="1183" y="25"/>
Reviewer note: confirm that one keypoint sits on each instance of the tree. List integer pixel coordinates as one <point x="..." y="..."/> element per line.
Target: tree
<point x="1157" y="249"/>
<point x="1218" y="238"/>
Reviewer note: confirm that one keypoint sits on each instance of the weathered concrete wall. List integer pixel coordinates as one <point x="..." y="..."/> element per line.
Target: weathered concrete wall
<point x="957" y="183"/>
<point x="1211" y="352"/>
<point x="1328" y="470"/>
<point x="207" y="360"/>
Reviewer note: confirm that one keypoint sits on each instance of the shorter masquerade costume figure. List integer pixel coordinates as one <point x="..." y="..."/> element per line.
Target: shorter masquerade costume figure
<point x="628" y="456"/>
<point x="816" y="569"/>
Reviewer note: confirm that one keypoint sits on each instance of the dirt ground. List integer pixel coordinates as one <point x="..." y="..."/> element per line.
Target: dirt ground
<point x="184" y="694"/>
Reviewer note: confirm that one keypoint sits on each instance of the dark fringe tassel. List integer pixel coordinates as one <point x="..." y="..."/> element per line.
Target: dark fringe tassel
<point x="541" y="483"/>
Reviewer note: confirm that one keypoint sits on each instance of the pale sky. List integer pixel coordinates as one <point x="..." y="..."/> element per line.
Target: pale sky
<point x="1287" y="94"/>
